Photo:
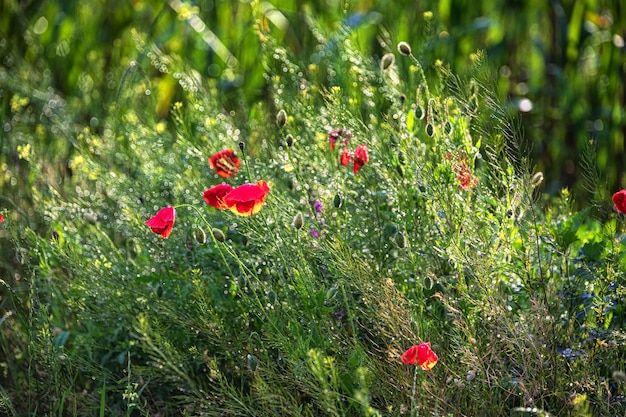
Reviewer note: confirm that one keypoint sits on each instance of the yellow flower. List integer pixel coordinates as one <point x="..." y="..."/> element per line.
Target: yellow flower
<point x="23" y="151"/>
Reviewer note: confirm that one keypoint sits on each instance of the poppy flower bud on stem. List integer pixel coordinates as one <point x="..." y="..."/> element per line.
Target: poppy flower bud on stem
<point x="404" y="48"/>
<point x="218" y="235"/>
<point x="281" y="118"/>
<point x="387" y="61"/>
<point x="199" y="236"/>
<point x="242" y="146"/>
<point x="289" y="140"/>
<point x="298" y="221"/>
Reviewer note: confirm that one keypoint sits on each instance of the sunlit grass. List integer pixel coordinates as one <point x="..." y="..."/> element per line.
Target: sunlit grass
<point x="303" y="302"/>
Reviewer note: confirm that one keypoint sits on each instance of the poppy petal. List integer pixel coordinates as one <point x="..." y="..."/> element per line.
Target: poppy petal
<point x="214" y="196"/>
<point x="619" y="199"/>
<point x="163" y="222"/>
<point x="225" y="163"/>
<point x="247" y="199"/>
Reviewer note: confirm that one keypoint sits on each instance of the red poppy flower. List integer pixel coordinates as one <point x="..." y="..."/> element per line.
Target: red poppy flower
<point x="421" y="355"/>
<point x="334" y="136"/>
<point x="345" y="157"/>
<point x="1" y="218"/>
<point x="225" y="163"/>
<point x="247" y="199"/>
<point x="214" y="196"/>
<point x="360" y="157"/>
<point x="619" y="199"/>
<point x="162" y="222"/>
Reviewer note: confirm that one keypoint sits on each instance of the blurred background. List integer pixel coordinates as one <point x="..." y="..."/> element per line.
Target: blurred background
<point x="559" y="65"/>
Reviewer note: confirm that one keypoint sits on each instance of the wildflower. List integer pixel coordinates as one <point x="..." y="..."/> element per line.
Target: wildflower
<point x="317" y="206"/>
<point x="214" y="196"/>
<point x="247" y="199"/>
<point x="345" y="157"/>
<point x="421" y="355"/>
<point x="225" y="163"/>
<point x="360" y="157"/>
<point x="619" y="199"/>
<point x="334" y="136"/>
<point x="163" y="222"/>
<point x="1" y="218"/>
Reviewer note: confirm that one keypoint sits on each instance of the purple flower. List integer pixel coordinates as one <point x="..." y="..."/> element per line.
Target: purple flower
<point x="317" y="205"/>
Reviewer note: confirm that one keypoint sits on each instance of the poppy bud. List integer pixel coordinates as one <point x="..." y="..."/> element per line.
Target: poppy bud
<point x="338" y="200"/>
<point x="242" y="146"/>
<point x="447" y="127"/>
<point x="430" y="129"/>
<point x="419" y="112"/>
<point x="387" y="61"/>
<point x="298" y="221"/>
<point x="91" y="217"/>
<point x="404" y="48"/>
<point x="281" y="118"/>
<point x="401" y="240"/>
<point x="218" y="235"/>
<point x="199" y="236"/>
<point x="402" y="98"/>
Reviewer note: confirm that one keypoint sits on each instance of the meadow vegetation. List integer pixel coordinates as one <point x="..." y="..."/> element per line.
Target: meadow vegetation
<point x="396" y="204"/>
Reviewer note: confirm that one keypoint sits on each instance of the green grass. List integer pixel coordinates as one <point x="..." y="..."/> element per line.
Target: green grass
<point x="305" y="307"/>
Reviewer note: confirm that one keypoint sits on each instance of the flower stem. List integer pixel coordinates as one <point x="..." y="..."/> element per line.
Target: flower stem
<point x="413" y="391"/>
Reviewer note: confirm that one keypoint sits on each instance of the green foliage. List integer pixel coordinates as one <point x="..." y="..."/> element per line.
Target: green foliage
<point x="305" y="307"/>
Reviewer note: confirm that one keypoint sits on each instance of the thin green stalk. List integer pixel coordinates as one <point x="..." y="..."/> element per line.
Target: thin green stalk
<point x="413" y="393"/>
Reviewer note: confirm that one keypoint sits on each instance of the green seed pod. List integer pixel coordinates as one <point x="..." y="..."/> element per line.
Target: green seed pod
<point x="338" y="200"/>
<point x="298" y="221"/>
<point x="199" y="235"/>
<point x="159" y="290"/>
<point x="430" y="129"/>
<point x="281" y="118"/>
<point x="404" y="48"/>
<point x="401" y="240"/>
<point x="218" y="235"/>
<point x="387" y="61"/>
<point x="420" y="113"/>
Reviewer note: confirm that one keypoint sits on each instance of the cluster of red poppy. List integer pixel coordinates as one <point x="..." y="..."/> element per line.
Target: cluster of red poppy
<point x="360" y="156"/>
<point x="461" y="167"/>
<point x="421" y="355"/>
<point x="245" y="200"/>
